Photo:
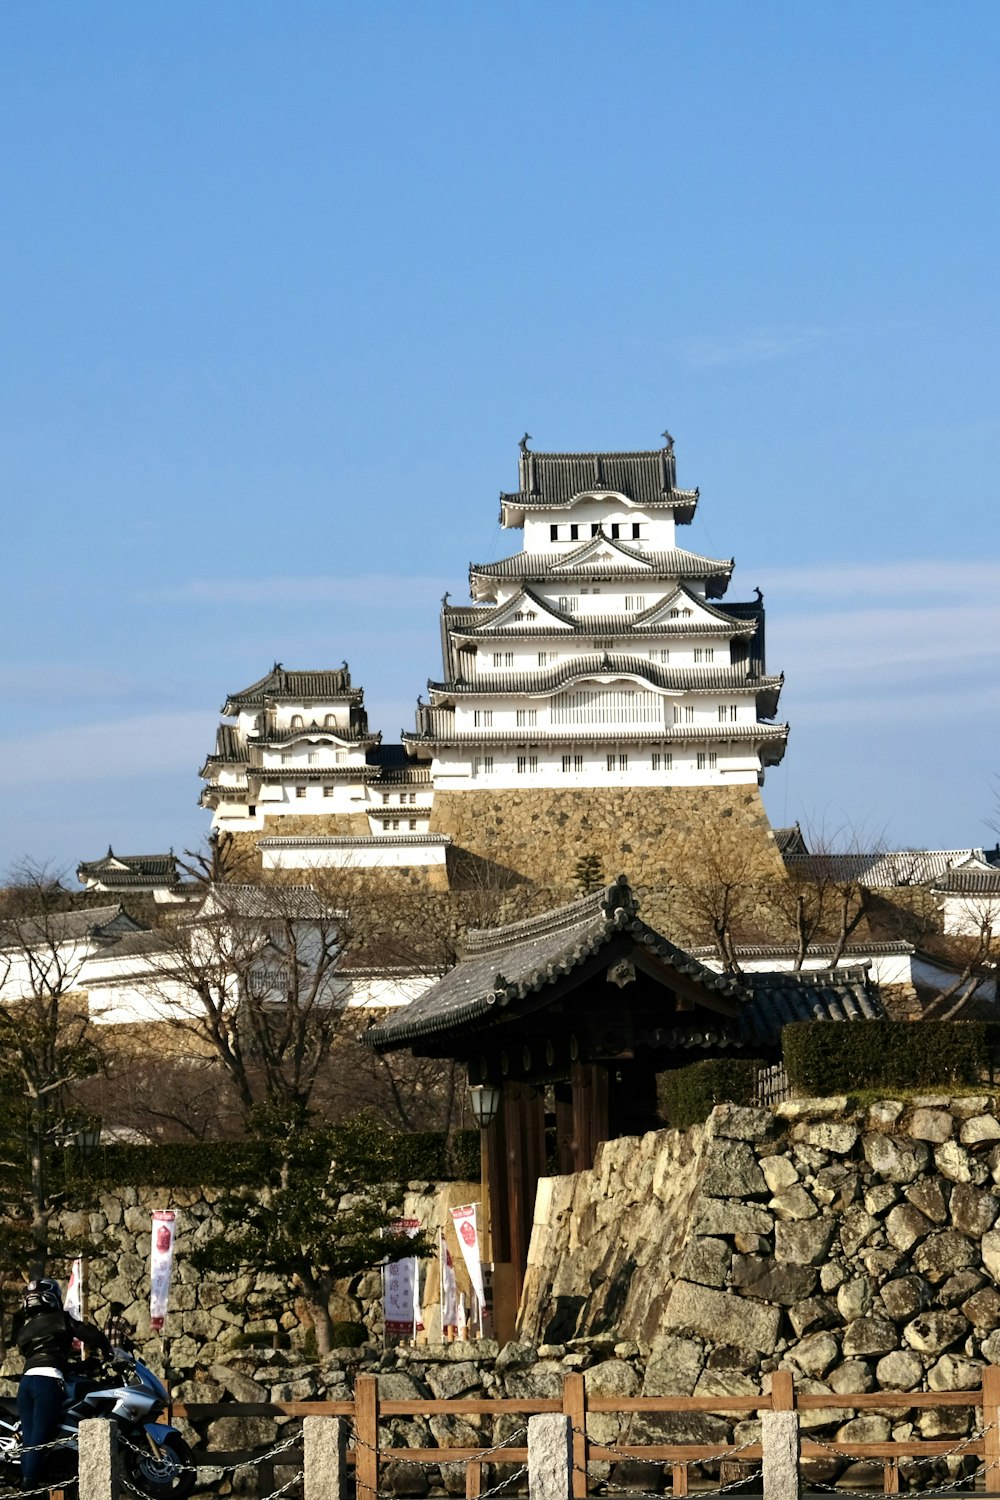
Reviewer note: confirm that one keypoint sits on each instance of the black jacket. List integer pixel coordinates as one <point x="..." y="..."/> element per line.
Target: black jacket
<point x="45" y="1337"/>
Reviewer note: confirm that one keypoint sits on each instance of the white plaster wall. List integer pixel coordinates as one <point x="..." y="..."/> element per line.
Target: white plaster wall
<point x="307" y="855"/>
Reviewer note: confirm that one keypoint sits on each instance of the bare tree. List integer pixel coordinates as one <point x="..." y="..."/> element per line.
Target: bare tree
<point x="251" y="978"/>
<point x="721" y="900"/>
<point x="827" y="894"/>
<point x="46" y="1041"/>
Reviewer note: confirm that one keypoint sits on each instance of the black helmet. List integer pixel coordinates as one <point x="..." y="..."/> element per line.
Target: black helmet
<point x="41" y="1293"/>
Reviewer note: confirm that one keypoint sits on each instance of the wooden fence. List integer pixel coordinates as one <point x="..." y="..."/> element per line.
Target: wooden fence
<point x="367" y="1410"/>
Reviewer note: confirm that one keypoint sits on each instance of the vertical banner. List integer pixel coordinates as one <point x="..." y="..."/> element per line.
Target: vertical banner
<point x="464" y="1219"/>
<point x="73" y="1300"/>
<point x="401" y="1288"/>
<point x="161" y="1260"/>
<point x="449" y="1290"/>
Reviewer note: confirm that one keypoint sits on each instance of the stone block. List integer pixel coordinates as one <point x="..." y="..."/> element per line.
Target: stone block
<point x="899" y="1371"/>
<point x="714" y="1216"/>
<point x="931" y="1197"/>
<point x="973" y="1210"/>
<point x="779" y="1172"/>
<point x="834" y="1136"/>
<point x="958" y="1165"/>
<point x="905" y="1225"/>
<point x="706" y="1260"/>
<point x="457" y="1378"/>
<point x="805" y="1241"/>
<point x="856" y="1227"/>
<point x="673" y="1366"/>
<point x="764" y="1278"/>
<point x="794" y="1203"/>
<point x="722" y="1318"/>
<point x="741" y="1123"/>
<point x="933" y="1332"/>
<point x="854" y="1298"/>
<point x="893" y="1161"/>
<point x="904" y="1297"/>
<point x="958" y="1288"/>
<point x="854" y="1376"/>
<point x="732" y="1171"/>
<point x="879" y="1197"/>
<point x="983" y="1309"/>
<point x="865" y="1428"/>
<point x="935" y="1125"/>
<point x="953" y="1372"/>
<point x="870" y="1336"/>
<point x="978" y="1129"/>
<point x="812" y="1314"/>
<point x="815" y="1354"/>
<point x="780" y="1441"/>
<point x="942" y="1254"/>
<point x="812" y="1109"/>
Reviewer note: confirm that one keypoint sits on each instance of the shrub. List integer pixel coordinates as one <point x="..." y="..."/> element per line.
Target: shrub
<point x="231" y="1164"/>
<point x="837" y="1057"/>
<point x="687" y="1096"/>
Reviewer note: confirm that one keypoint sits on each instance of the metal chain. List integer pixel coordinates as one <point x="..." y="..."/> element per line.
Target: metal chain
<point x="940" y="1489"/>
<point x="722" y="1489"/>
<point x="245" y="1463"/>
<point x="634" y="1458"/>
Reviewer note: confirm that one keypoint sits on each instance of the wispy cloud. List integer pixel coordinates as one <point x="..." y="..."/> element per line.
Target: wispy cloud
<point x="756" y="347"/>
<point x="841" y="582"/>
<point x="135" y="747"/>
<point x="402" y="590"/>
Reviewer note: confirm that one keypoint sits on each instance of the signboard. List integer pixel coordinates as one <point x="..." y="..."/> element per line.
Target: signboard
<point x="161" y="1261"/>
<point x="466" y="1228"/>
<point x="401" y="1288"/>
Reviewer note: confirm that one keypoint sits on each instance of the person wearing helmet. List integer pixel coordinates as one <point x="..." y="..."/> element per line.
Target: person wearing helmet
<point x="44" y="1332"/>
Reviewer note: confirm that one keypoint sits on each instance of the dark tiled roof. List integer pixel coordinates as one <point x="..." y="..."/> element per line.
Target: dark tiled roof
<point x="351" y="840"/>
<point x="969" y="883"/>
<point x="481" y="620"/>
<point x="101" y="923"/>
<point x="129" y="869"/>
<point x="628" y="564"/>
<point x="264" y="902"/>
<point x="883" y="869"/>
<point x="813" y="995"/>
<point x="505" y="964"/>
<point x="790" y="840"/>
<point x="294" y="686"/>
<point x="646" y="477"/>
<point x="659" y="674"/>
<point x="438" y="724"/>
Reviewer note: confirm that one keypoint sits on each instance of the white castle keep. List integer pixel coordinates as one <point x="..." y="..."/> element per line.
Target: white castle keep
<point x="598" y="656"/>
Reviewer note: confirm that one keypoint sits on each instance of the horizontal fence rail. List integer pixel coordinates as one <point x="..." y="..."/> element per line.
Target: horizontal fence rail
<point x="367" y="1451"/>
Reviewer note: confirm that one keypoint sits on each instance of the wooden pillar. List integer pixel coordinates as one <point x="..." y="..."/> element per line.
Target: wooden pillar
<point x="564" y="1127"/>
<point x="589" y="1082"/>
<point x="524" y="1123"/>
<point x="495" y="1184"/>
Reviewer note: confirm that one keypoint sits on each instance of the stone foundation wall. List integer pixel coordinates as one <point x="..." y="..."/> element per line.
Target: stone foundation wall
<point x="856" y="1247"/>
<point x="208" y="1310"/>
<point x="654" y="834"/>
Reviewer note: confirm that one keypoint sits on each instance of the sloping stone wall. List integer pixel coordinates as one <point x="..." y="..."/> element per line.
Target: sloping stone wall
<point x="857" y="1248"/>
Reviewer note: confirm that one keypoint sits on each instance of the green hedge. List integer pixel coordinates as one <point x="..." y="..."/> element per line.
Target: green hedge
<point x="827" y="1057"/>
<point x="225" y="1164"/>
<point x="686" y="1096"/>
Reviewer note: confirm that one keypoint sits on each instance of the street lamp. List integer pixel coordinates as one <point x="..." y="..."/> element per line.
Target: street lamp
<point x="484" y="1101"/>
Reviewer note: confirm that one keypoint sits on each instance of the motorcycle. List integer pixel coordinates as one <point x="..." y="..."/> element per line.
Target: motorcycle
<point x="154" y="1457"/>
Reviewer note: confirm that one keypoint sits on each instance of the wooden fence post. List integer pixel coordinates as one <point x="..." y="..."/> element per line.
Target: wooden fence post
<point x="324" y="1458"/>
<point x="550" y="1457"/>
<point x="575" y="1407"/>
<point x="366" y="1435"/>
<point x="991" y="1425"/>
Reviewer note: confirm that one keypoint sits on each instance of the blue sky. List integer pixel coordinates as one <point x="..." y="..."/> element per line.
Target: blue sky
<point x="283" y="284"/>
